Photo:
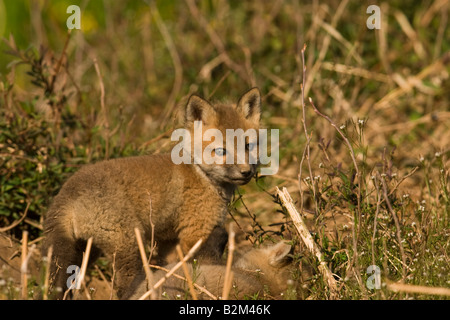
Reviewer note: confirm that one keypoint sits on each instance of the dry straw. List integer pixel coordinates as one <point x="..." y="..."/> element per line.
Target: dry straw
<point x="302" y="229"/>
<point x="148" y="272"/>
<point x="47" y="273"/>
<point x="23" y="268"/>
<point x="228" y="273"/>
<point x="171" y="272"/>
<point x="103" y="107"/>
<point x="84" y="264"/>
<point x="186" y="273"/>
<point x="82" y="274"/>
<point x="408" y="288"/>
<point x="26" y="255"/>
<point x="198" y="287"/>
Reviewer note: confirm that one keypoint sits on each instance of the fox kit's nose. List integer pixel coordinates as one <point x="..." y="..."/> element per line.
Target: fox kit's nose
<point x="247" y="171"/>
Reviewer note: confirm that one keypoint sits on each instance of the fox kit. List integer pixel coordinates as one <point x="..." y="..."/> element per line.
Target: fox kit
<point x="184" y="202"/>
<point x="259" y="271"/>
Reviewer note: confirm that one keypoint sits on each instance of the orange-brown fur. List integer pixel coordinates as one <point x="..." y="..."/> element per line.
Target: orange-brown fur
<point x="107" y="200"/>
<point x="263" y="272"/>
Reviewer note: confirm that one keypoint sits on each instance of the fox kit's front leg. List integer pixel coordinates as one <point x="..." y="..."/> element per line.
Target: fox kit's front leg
<point x="213" y="235"/>
<point x="213" y="244"/>
<point x="213" y="247"/>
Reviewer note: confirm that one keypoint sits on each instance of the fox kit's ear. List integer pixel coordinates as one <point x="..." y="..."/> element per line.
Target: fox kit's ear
<point x="198" y="109"/>
<point x="250" y="105"/>
<point x="279" y="254"/>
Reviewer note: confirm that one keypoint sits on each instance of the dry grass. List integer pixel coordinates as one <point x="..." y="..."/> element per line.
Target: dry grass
<point x="308" y="240"/>
<point x="170" y="273"/>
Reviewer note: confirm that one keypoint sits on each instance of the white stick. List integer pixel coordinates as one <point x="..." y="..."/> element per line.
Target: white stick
<point x="302" y="229"/>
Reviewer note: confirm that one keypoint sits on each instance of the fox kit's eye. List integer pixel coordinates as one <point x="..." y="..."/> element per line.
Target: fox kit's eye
<point x="220" y="151"/>
<point x="250" y="146"/>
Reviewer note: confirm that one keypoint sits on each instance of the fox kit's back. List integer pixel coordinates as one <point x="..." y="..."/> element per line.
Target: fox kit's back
<point x="185" y="201"/>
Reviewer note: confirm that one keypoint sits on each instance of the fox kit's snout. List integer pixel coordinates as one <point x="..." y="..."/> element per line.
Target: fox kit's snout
<point x="188" y="200"/>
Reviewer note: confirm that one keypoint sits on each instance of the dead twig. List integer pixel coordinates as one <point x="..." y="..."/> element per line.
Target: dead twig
<point x="228" y="273"/>
<point x="85" y="261"/>
<point x="402" y="287"/>
<point x="47" y="273"/>
<point x="304" y="233"/>
<point x="356" y="71"/>
<point x="17" y="222"/>
<point x="171" y="272"/>
<point x="103" y="107"/>
<point x="198" y="287"/>
<point x="26" y="255"/>
<point x="80" y="277"/>
<point x="23" y="268"/>
<point x="403" y="179"/>
<point x="352" y="153"/>
<point x="186" y="273"/>
<point x="159" y="137"/>
<point x="148" y="272"/>
<point x="307" y="152"/>
<point x="102" y="275"/>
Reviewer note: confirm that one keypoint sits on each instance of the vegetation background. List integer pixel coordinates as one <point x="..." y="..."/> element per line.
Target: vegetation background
<point x="116" y="88"/>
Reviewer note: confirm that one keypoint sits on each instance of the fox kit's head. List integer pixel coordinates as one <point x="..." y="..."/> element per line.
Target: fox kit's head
<point x="224" y="137"/>
<point x="268" y="260"/>
<point x="273" y="263"/>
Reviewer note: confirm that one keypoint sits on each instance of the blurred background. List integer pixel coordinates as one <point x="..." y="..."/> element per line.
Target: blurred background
<point x="116" y="87"/>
